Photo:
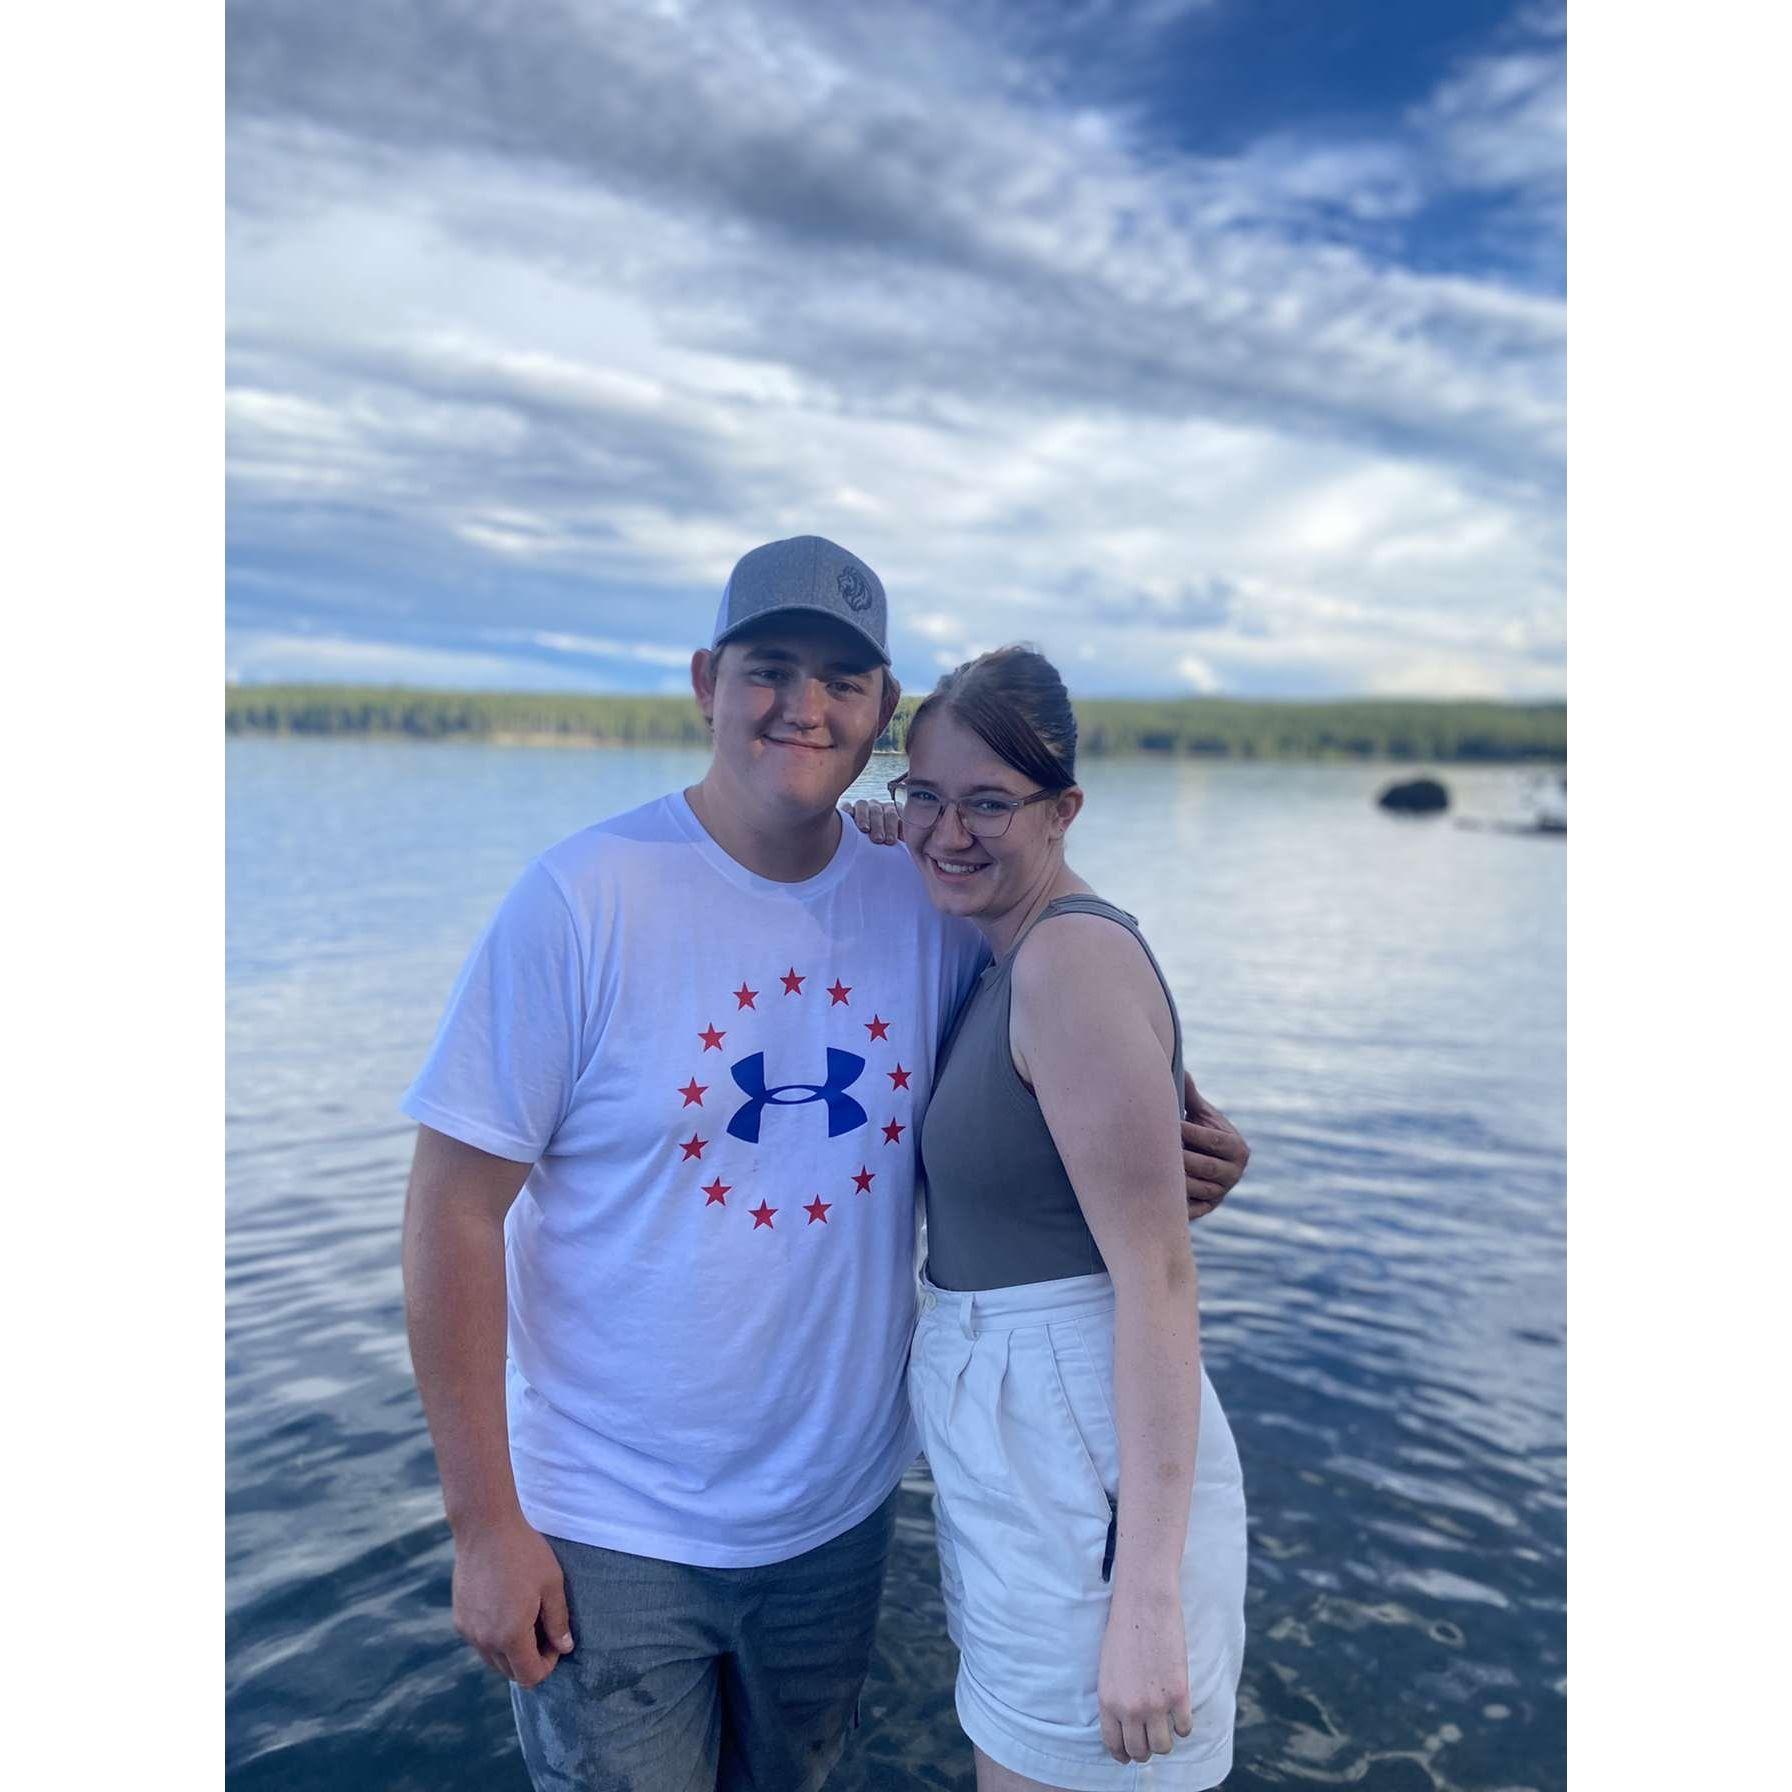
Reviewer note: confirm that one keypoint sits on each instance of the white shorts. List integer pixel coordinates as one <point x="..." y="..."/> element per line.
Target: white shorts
<point x="1013" y="1393"/>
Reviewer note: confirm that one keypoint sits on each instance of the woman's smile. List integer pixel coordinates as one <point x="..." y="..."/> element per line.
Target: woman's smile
<point x="954" y="869"/>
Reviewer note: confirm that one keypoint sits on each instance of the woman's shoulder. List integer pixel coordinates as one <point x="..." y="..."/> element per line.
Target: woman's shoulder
<point x="1079" y="951"/>
<point x="1086" y="998"/>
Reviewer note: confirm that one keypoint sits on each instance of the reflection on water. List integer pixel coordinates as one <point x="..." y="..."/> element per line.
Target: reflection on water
<point x="1377" y="1003"/>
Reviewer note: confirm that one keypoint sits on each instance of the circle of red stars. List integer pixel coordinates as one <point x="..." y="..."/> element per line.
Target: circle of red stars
<point x="715" y="1192"/>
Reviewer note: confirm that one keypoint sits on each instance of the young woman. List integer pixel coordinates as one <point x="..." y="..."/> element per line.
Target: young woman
<point x="1090" y="1508"/>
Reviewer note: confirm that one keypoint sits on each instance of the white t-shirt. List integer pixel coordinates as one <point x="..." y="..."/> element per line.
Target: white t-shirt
<point x="718" y="1080"/>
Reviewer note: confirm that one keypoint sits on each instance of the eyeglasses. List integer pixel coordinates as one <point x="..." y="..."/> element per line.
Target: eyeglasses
<point x="985" y="817"/>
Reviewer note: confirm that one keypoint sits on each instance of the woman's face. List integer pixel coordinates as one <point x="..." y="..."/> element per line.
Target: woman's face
<point x="975" y="875"/>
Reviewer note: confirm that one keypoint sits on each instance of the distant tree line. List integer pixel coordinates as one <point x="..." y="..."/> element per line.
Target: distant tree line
<point x="1208" y="727"/>
<point x="476" y="715"/>
<point x="1367" y="728"/>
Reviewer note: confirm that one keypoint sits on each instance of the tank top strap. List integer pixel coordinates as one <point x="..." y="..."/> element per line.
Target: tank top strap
<point x="1084" y="904"/>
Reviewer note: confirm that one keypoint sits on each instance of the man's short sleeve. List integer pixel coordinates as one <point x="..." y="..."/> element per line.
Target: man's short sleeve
<point x="500" y="1075"/>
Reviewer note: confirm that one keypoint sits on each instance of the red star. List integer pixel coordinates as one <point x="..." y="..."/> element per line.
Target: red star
<point x="878" y="1029"/>
<point x="717" y="1192"/>
<point x="839" y="991"/>
<point x="893" y="1132"/>
<point x="793" y="984"/>
<point x="743" y="998"/>
<point x="693" y="1093"/>
<point x="818" y="1210"/>
<point x="762" y="1215"/>
<point x="693" y="1147"/>
<point x="898" y="1077"/>
<point x="864" y="1180"/>
<point x="712" y="1040"/>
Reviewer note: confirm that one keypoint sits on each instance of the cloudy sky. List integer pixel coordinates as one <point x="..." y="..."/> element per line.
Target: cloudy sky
<point x="1213" y="345"/>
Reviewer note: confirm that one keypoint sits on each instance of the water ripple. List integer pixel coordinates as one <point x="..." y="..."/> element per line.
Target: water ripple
<point x="1383" y="1312"/>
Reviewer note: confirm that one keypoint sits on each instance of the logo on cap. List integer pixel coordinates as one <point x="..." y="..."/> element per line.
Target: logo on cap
<point x="853" y="589"/>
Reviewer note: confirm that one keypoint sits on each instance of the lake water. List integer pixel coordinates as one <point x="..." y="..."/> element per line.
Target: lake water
<point x="1378" y="1004"/>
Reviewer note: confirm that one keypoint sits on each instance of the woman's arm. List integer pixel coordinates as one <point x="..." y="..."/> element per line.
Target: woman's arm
<point x="1092" y="1033"/>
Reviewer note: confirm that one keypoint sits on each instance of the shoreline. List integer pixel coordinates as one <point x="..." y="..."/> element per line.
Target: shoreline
<point x="563" y="742"/>
<point x="1405" y="731"/>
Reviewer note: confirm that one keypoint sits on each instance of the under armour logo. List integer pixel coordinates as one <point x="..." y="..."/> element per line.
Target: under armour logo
<point x="853" y="588"/>
<point x="844" y="1114"/>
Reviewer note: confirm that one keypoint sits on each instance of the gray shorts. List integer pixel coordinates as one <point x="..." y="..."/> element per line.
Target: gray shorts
<point x="706" y="1679"/>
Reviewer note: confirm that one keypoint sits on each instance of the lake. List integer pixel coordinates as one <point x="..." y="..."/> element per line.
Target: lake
<point x="1378" y="1005"/>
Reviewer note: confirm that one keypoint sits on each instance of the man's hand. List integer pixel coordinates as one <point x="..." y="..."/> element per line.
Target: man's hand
<point x="510" y="1601"/>
<point x="880" y="822"/>
<point x="1214" y="1153"/>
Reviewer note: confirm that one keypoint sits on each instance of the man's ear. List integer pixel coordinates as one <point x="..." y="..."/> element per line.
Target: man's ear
<point x="892" y="696"/>
<point x="703" y="684"/>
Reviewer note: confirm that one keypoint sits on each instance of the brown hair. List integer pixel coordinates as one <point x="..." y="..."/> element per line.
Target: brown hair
<point x="1014" y="702"/>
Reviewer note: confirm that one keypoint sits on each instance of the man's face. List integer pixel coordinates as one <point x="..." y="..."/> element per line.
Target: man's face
<point x="796" y="707"/>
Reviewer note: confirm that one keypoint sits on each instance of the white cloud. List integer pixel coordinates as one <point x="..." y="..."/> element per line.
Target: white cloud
<point x="591" y="646"/>
<point x="932" y="626"/>
<point x="1196" y="673"/>
<point x="1442" y="675"/>
<point x="1503" y="121"/>
<point x="562" y="304"/>
<point x="263" y="658"/>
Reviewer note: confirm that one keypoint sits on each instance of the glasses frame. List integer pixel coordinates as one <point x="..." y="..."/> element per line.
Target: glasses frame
<point x="1013" y="805"/>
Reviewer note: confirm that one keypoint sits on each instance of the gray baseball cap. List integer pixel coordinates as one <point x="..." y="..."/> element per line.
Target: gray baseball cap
<point x="804" y="574"/>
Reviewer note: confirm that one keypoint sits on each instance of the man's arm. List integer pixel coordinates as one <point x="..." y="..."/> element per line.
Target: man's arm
<point x="509" y="1595"/>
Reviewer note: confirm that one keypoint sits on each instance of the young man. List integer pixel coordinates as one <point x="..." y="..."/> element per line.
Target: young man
<point x="666" y="1384"/>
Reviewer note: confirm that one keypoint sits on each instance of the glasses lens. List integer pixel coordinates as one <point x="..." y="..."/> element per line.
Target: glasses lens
<point x="922" y="809"/>
<point x="986" y="827"/>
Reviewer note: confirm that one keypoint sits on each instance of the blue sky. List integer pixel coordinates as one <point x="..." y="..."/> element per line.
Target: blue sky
<point x="1212" y="346"/>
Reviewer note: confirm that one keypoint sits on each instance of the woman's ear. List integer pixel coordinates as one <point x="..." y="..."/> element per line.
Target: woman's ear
<point x="1066" y="809"/>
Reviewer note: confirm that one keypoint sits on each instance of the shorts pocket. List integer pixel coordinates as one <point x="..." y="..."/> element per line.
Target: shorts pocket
<point x="1022" y="1519"/>
<point x="937" y="1357"/>
<point x="1084" y="1402"/>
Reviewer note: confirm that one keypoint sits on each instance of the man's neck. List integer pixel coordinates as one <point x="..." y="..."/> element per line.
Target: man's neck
<point x="787" y="852"/>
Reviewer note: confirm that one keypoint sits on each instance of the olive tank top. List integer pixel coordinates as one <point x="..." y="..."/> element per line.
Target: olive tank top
<point x="1000" y="1209"/>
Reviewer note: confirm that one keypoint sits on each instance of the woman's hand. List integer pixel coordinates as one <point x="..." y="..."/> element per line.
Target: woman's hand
<point x="880" y="822"/>
<point x="1143" y="1682"/>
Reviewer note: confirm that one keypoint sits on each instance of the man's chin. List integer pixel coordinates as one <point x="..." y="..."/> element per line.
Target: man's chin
<point x="799" y="785"/>
<point x="800" y="800"/>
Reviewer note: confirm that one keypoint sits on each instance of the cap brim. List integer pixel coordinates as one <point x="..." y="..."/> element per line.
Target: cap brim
<point x="752" y="624"/>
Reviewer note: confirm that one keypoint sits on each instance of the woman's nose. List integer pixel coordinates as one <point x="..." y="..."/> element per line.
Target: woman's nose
<point x="951" y="826"/>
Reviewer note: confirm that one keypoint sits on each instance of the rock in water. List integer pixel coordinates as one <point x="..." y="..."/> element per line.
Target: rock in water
<point x="1417" y="796"/>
